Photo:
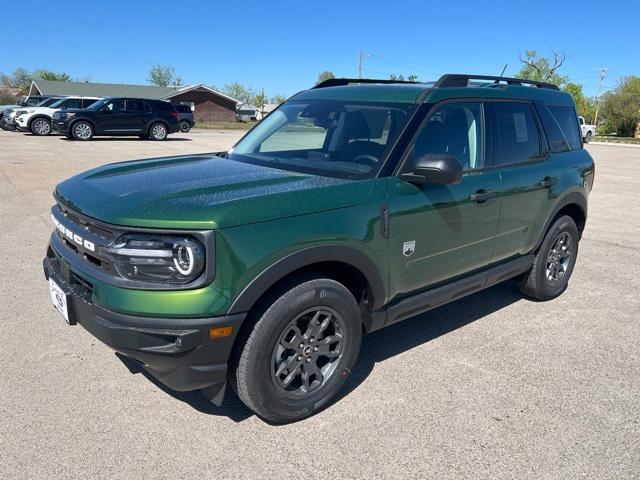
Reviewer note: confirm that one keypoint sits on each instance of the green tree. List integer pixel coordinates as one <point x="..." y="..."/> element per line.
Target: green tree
<point x="49" y="75"/>
<point x="542" y="69"/>
<point x="239" y="92"/>
<point x="400" y="78"/>
<point x="326" y="75"/>
<point x="260" y="100"/>
<point x="163" y="76"/>
<point x="584" y="105"/>
<point x="6" y="97"/>
<point x="278" y="99"/>
<point x="620" y="108"/>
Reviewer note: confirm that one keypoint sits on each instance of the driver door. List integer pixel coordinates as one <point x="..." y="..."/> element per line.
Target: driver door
<point x="439" y="232"/>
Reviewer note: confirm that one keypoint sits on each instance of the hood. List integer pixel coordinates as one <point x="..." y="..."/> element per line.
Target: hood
<point x="41" y="110"/>
<point x="202" y="192"/>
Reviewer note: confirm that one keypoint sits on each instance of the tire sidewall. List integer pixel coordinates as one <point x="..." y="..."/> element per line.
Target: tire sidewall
<point x="184" y="126"/>
<point x="319" y="293"/>
<point x="562" y="225"/>
<point x="33" y="124"/>
<point x="73" y="131"/>
<point x="152" y="136"/>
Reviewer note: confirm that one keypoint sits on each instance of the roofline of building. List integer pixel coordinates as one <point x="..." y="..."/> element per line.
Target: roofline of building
<point x="179" y="91"/>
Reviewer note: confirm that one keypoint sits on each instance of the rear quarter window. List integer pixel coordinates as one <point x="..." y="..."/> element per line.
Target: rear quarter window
<point x="517" y="139"/>
<point x="568" y="121"/>
<point x="161" y="106"/>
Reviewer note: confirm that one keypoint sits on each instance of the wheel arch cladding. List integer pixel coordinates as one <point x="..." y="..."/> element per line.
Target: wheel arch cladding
<point x="341" y="263"/>
<point x="575" y="206"/>
<point x="36" y="117"/>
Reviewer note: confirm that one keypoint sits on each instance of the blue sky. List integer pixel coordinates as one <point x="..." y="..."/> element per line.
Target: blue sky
<point x="282" y="46"/>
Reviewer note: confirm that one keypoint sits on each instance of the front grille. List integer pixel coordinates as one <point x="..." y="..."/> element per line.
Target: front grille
<point x="84" y="238"/>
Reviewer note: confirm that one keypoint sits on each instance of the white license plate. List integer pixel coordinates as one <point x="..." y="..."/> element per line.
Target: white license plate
<point x="59" y="299"/>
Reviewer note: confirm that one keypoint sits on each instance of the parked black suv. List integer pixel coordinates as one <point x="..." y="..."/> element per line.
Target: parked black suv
<point x="145" y="118"/>
<point x="185" y="117"/>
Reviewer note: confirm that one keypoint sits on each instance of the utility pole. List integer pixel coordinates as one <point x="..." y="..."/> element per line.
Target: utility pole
<point x="603" y="72"/>
<point x="361" y="57"/>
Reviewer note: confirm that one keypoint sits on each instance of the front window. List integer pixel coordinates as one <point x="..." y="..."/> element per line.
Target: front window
<point x="325" y="137"/>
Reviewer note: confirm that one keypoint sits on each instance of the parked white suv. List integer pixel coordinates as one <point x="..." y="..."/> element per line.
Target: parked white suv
<point x="588" y="131"/>
<point x="37" y="120"/>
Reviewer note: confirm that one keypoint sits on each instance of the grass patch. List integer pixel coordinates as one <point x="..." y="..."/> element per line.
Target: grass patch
<point x="225" y="125"/>
<point x="612" y="139"/>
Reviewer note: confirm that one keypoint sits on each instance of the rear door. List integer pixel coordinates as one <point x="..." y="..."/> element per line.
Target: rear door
<point x="439" y="232"/>
<point x="531" y="176"/>
<point x="135" y="115"/>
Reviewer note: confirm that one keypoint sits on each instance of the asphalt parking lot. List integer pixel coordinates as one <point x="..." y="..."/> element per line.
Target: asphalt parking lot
<point x="492" y="386"/>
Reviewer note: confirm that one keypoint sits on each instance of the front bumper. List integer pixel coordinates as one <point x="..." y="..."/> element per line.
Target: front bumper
<point x="60" y="125"/>
<point x="7" y="123"/>
<point x="22" y="124"/>
<point x="177" y="351"/>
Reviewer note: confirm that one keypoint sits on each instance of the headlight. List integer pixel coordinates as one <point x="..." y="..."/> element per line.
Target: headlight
<point x="68" y="114"/>
<point x="21" y="112"/>
<point x="158" y="258"/>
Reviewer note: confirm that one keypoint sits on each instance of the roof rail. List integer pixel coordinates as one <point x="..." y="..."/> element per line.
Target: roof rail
<point x="336" y="82"/>
<point x="462" y="80"/>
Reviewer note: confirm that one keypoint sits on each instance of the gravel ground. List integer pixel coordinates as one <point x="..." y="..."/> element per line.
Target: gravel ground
<point x="492" y="386"/>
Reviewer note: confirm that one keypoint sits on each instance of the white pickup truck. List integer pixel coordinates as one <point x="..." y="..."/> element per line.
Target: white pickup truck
<point x="588" y="131"/>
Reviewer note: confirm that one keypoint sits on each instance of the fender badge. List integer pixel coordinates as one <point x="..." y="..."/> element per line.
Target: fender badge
<point x="408" y="248"/>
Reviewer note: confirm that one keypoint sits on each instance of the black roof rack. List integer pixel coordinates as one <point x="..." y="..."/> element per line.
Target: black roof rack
<point x="462" y="80"/>
<point x="336" y="82"/>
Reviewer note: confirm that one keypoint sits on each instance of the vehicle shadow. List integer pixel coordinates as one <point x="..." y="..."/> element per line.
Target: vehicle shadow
<point x="376" y="347"/>
<point x="127" y="139"/>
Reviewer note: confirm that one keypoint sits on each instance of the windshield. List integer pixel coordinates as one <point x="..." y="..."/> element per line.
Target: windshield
<point x="47" y="102"/>
<point x="325" y="137"/>
<point x="99" y="104"/>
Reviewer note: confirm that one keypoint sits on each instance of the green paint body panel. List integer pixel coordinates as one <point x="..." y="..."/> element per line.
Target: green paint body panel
<point x="263" y="215"/>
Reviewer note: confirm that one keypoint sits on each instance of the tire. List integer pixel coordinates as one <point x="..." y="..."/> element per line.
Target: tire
<point x="314" y="378"/>
<point x="158" y="131"/>
<point x="82" y="131"/>
<point x="587" y="138"/>
<point x="185" y="126"/>
<point x="554" y="262"/>
<point x="40" y="126"/>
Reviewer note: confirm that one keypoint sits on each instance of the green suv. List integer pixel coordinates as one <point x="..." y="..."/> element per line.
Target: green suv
<point x="354" y="205"/>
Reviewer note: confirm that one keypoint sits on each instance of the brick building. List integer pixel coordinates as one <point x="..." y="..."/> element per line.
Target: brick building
<point x="207" y="104"/>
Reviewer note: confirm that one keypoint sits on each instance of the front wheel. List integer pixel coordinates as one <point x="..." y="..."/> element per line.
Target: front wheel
<point x="554" y="262"/>
<point x="185" y="126"/>
<point x="300" y="351"/>
<point x="158" y="131"/>
<point x="82" y="131"/>
<point x="40" y="127"/>
<point x="587" y="137"/>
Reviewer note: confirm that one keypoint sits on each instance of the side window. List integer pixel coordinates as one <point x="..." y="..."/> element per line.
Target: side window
<point x="454" y="129"/>
<point x="135" y="105"/>
<point x="517" y="137"/>
<point x="87" y="102"/>
<point x="72" y="103"/>
<point x="557" y="141"/>
<point x="114" y="106"/>
<point x="568" y="121"/>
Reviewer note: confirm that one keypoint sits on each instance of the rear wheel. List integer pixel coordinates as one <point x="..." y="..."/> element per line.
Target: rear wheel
<point x="300" y="351"/>
<point x="587" y="137"/>
<point x="40" y="127"/>
<point x="82" y="131"/>
<point x="554" y="262"/>
<point x="158" y="131"/>
<point x="185" y="126"/>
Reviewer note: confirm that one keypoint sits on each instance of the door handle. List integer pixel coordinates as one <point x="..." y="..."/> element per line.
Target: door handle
<point x="482" y="195"/>
<point x="548" y="182"/>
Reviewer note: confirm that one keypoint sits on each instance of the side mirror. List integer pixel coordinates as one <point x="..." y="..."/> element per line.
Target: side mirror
<point x="435" y="168"/>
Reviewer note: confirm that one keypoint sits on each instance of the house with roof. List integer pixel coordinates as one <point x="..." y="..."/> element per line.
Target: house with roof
<point x="208" y="105"/>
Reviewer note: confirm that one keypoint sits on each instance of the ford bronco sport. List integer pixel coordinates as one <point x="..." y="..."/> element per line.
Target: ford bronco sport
<point x="354" y="205"/>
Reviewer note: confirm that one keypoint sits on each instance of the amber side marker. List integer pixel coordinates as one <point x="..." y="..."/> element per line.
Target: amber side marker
<point x="220" y="332"/>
